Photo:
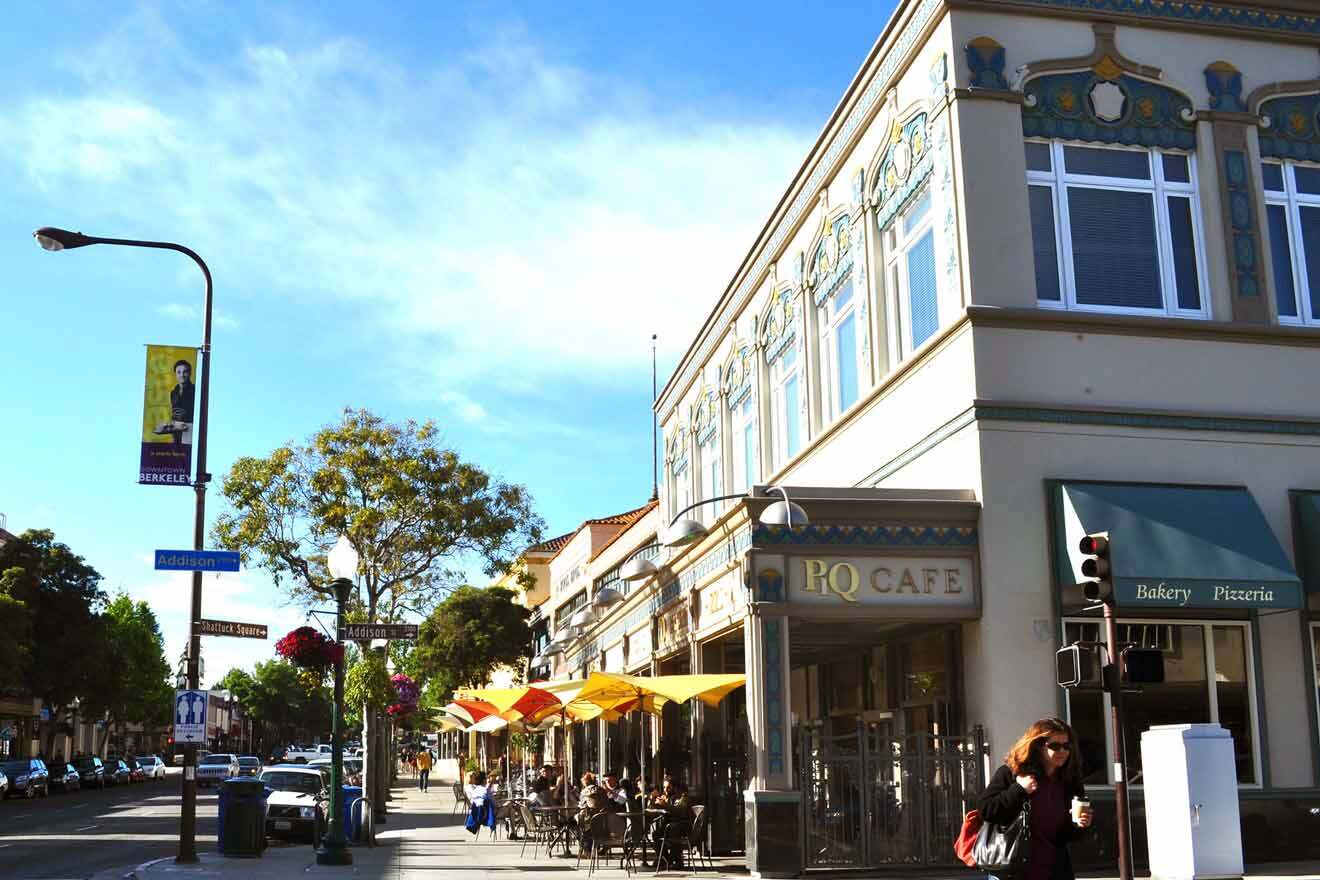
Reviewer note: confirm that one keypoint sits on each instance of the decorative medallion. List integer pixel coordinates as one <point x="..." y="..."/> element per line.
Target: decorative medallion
<point x="1108" y="69"/>
<point x="903" y="167"/>
<point x="778" y="330"/>
<point x="1108" y="101"/>
<point x="1291" y="128"/>
<point x="1224" y="82"/>
<point x="985" y="60"/>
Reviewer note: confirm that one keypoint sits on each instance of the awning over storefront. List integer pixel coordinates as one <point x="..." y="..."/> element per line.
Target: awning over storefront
<point x="1179" y="546"/>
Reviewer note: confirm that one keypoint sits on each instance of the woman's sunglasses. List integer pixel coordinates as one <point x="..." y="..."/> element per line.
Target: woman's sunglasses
<point x="1054" y="746"/>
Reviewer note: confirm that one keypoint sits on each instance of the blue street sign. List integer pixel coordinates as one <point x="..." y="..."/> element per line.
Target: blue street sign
<point x="190" y="716"/>
<point x="196" y="560"/>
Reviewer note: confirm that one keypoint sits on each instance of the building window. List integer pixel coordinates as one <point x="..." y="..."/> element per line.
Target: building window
<point x="1209" y="677"/>
<point x="786" y="405"/>
<point x="1292" y="207"/>
<point x="745" y="440"/>
<point x="840" y="348"/>
<point x="1115" y="230"/>
<point x="680" y="493"/>
<point x="910" y="268"/>
<point x="712" y="477"/>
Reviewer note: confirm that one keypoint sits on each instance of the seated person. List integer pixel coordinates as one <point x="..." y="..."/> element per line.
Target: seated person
<point x="541" y="794"/>
<point x="476" y="785"/>
<point x="615" y="795"/>
<point x="672" y="797"/>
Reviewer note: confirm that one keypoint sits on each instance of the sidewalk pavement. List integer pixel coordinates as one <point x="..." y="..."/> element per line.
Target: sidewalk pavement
<point x="424" y="839"/>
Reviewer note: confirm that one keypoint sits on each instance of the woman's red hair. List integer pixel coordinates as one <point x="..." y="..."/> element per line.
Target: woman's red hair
<point x="1026" y="755"/>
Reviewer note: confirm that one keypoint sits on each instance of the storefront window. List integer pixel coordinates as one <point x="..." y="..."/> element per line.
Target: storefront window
<point x="1196" y="655"/>
<point x="925" y="668"/>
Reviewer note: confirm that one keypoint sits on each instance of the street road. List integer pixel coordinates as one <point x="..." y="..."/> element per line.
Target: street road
<point x="78" y="834"/>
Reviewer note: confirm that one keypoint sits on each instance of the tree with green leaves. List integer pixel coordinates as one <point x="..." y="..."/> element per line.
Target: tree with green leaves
<point x="279" y="703"/>
<point x="130" y="680"/>
<point x="60" y="596"/>
<point x="470" y="634"/>
<point x="412" y="508"/>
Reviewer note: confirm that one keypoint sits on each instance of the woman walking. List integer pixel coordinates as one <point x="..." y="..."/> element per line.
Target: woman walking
<point x="1043" y="770"/>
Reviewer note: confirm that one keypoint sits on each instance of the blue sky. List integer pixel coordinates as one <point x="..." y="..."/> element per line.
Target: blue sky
<point x="475" y="213"/>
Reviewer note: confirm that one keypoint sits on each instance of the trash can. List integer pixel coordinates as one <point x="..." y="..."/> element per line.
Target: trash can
<point x="242" y="820"/>
<point x="351" y="793"/>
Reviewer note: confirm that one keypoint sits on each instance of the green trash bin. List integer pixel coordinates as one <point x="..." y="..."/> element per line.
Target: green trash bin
<point x="242" y="818"/>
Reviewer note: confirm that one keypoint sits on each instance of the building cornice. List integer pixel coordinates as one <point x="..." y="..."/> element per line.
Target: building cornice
<point x="1140" y="325"/>
<point x="1292" y="20"/>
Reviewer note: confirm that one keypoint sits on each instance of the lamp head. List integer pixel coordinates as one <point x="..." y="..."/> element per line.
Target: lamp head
<point x="342" y="560"/>
<point x="52" y="238"/>
<point x="783" y="513"/>
<point x="637" y="569"/>
<point x="606" y="598"/>
<point x="584" y="618"/>
<point x="683" y="532"/>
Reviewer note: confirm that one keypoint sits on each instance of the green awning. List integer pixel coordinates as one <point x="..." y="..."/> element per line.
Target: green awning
<point x="1179" y="546"/>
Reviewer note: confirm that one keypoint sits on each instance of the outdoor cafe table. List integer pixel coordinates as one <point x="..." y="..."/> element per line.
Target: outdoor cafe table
<point x="565" y="827"/>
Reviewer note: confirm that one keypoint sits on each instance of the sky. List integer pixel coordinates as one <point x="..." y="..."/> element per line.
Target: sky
<point x="476" y="214"/>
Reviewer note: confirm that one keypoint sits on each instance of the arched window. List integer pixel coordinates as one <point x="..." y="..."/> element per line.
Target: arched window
<point x="787" y="401"/>
<point x="841" y="322"/>
<point x="744" y="437"/>
<point x="1291" y="174"/>
<point x="680" y="479"/>
<point x="706" y="429"/>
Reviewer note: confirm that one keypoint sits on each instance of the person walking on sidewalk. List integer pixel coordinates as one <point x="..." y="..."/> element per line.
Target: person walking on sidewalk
<point x="1044" y="771"/>
<point x="423" y="769"/>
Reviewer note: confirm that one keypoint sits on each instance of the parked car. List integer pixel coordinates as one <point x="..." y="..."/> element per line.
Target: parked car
<point x="302" y="756"/>
<point x="117" y="772"/>
<point x="91" y="771"/>
<point x="27" y="778"/>
<point x="352" y="766"/>
<point x="4" y="785"/>
<point x="214" y="769"/>
<point x="152" y="766"/>
<point x="64" y="777"/>
<point x="249" y="765"/>
<point x="297" y="799"/>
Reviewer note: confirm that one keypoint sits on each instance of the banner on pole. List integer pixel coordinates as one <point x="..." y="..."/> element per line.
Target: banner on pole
<point x="168" y="405"/>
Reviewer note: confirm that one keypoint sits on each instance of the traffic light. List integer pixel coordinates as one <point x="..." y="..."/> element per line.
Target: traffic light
<point x="1142" y="665"/>
<point x="1097" y="585"/>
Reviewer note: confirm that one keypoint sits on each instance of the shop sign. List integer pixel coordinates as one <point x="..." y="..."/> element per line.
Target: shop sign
<point x="720" y="601"/>
<point x="1203" y="594"/>
<point x="882" y="580"/>
<point x="671" y="629"/>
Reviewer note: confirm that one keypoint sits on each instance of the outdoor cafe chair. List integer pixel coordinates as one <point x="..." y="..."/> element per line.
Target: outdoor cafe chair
<point x="537" y="828"/>
<point x="687" y="837"/>
<point x="461" y="802"/>
<point x="610" y="832"/>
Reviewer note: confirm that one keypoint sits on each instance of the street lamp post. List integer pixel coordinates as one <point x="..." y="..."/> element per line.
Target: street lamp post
<point x="343" y="562"/>
<point x="54" y="239"/>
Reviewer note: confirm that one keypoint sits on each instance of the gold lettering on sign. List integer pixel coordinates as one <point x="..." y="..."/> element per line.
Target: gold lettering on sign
<point x="907" y="583"/>
<point x="951" y="582"/>
<point x="882" y="586"/>
<point x="848" y="594"/>
<point x="814" y="569"/>
<point x="928" y="578"/>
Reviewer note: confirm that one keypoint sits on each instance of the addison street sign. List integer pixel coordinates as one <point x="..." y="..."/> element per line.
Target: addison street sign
<point x="366" y="631"/>
<point x="231" y="628"/>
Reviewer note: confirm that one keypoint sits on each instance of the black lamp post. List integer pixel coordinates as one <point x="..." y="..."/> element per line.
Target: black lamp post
<point x="53" y="239"/>
<point x="343" y="562"/>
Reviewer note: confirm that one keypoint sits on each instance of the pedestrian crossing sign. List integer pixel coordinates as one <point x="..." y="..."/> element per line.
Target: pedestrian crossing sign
<point x="190" y="716"/>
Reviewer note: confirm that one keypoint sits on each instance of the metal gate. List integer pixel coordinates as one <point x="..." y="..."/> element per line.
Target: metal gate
<point x="726" y="778"/>
<point x="871" y="800"/>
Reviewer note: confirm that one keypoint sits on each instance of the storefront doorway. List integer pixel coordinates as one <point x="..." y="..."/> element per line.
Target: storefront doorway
<point x="883" y="765"/>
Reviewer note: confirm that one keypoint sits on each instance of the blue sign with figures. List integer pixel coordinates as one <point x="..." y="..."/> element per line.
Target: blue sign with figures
<point x="196" y="560"/>
<point x="190" y="716"/>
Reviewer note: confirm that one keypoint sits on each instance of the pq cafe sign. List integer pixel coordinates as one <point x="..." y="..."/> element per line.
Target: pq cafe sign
<point x="899" y="581"/>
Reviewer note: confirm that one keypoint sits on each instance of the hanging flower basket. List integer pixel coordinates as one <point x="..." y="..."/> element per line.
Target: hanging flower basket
<point x="406" y="694"/>
<point x="401" y="710"/>
<point x="308" y="648"/>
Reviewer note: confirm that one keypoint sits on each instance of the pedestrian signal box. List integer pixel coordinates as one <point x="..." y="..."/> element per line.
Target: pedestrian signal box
<point x="1142" y="665"/>
<point x="1077" y="665"/>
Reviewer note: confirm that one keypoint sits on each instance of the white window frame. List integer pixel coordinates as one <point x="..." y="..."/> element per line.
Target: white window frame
<point x="680" y="477"/>
<point x="1207" y="627"/>
<point x="779" y="379"/>
<point x="711" y="477"/>
<point x="745" y="470"/>
<point x="1293" y="201"/>
<point x="1058" y="180"/>
<point x="897" y="244"/>
<point x="831" y="318"/>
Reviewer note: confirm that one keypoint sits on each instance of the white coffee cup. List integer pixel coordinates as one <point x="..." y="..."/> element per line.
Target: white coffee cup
<point x="1079" y="805"/>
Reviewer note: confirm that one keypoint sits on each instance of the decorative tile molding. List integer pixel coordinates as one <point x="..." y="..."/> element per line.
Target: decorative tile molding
<point x="1290" y="128"/>
<point x="739" y="373"/>
<point x="985" y="60"/>
<point x="821" y="172"/>
<point x="902" y="169"/>
<point x="769" y="585"/>
<point x="832" y="259"/>
<point x="1105" y="97"/>
<point x="772" y="676"/>
<point x="705" y="416"/>
<point x="946" y="198"/>
<point x="1224" y="81"/>
<point x="865" y="536"/>
<point x="1243" y="234"/>
<point x="1200" y="12"/>
<point x="779" y="329"/>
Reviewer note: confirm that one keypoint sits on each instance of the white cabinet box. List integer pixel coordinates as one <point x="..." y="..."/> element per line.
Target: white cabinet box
<point x="1189" y="778"/>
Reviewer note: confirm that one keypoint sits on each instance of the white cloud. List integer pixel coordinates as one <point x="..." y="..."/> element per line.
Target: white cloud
<point x="186" y="312"/>
<point x="502" y="217"/>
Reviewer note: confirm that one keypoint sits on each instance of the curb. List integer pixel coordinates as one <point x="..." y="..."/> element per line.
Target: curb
<point x="135" y="873"/>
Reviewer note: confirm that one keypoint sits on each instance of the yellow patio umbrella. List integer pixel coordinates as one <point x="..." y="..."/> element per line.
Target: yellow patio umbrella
<point x="617" y="692"/>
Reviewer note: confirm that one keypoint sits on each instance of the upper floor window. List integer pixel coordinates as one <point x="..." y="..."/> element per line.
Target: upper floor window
<point x="1115" y="229"/>
<point x="786" y="405"/>
<point x="910" y="268"/>
<point x="712" y="476"/>
<point x="839" y="335"/>
<point x="744" y="446"/>
<point x="1292" y="206"/>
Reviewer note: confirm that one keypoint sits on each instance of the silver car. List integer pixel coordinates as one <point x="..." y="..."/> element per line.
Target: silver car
<point x="216" y="768"/>
<point x="152" y="766"/>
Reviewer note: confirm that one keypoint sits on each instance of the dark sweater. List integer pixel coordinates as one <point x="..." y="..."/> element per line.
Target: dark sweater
<point x="1000" y="804"/>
